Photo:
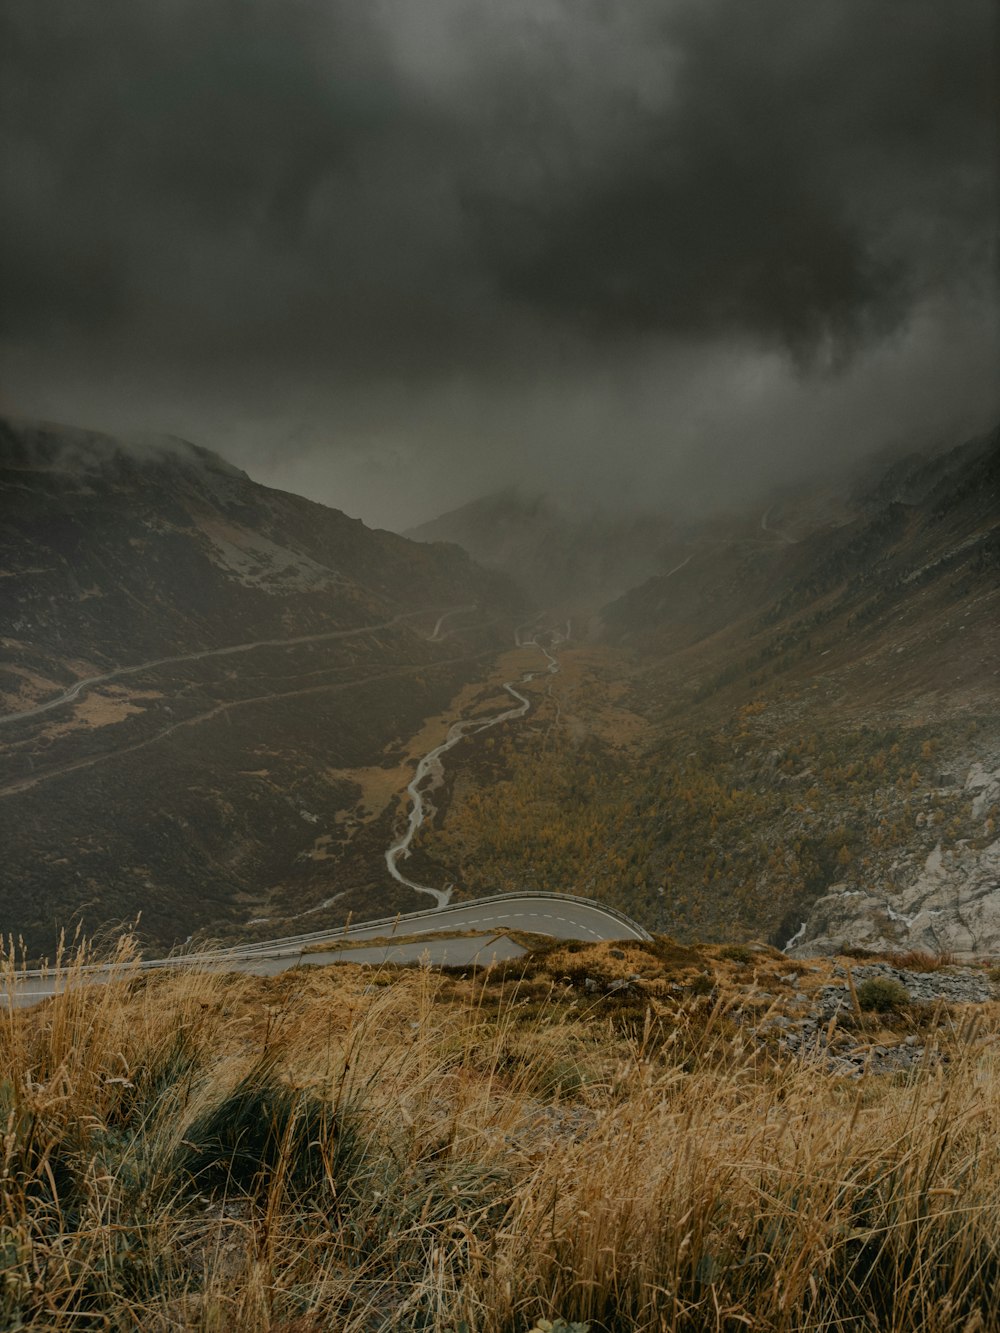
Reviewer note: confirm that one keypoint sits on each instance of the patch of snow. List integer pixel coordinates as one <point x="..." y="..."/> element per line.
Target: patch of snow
<point x="257" y="562"/>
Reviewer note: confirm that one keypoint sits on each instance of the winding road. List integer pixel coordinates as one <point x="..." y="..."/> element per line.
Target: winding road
<point x="81" y="685"/>
<point x="462" y="933"/>
<point x="559" y="915"/>
<point x="430" y="770"/>
<point x="436" y="634"/>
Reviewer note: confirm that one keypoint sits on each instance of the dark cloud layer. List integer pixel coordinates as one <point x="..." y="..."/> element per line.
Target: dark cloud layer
<point x="396" y="219"/>
<point x="769" y="192"/>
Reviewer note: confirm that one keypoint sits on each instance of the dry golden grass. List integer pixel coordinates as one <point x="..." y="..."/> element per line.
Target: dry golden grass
<point x="919" y="960"/>
<point x="337" y="1149"/>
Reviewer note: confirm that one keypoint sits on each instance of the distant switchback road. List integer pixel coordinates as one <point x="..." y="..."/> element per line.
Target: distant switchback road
<point x="76" y="690"/>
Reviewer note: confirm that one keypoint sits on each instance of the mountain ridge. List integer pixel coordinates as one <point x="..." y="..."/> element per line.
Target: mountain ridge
<point x="248" y="653"/>
<point x="560" y="554"/>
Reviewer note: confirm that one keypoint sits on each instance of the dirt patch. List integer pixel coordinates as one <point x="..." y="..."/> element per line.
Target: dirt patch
<point x="99" y="708"/>
<point x="378" y="786"/>
<point x="321" y="847"/>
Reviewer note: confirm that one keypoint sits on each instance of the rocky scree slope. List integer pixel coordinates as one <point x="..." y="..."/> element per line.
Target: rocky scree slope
<point x="948" y="904"/>
<point x="883" y="625"/>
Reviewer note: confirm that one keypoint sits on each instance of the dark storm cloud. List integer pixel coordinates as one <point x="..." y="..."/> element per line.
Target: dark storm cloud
<point x="164" y="158"/>
<point x="275" y="176"/>
<point x="813" y="171"/>
<point x="307" y="207"/>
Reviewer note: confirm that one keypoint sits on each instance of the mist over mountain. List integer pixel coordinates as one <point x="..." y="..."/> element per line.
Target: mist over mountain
<point x="499" y="689"/>
<point x="213" y="691"/>
<point x="565" y="555"/>
<point x="925" y="521"/>
<point x="187" y="551"/>
<point x="790" y="727"/>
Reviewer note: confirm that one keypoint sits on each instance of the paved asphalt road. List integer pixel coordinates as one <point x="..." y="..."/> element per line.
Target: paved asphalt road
<point x="547" y="914"/>
<point x="139" y="668"/>
<point x="459" y="952"/>
<point x="440" y="950"/>
<point x="558" y="915"/>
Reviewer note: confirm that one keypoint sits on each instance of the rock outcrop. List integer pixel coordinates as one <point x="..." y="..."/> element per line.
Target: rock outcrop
<point x="953" y="904"/>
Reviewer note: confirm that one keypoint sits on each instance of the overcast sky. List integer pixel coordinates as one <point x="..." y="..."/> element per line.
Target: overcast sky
<point x="395" y="253"/>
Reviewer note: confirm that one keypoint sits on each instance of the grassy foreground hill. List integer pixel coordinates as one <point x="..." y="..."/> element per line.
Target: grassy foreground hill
<point x="618" y="1139"/>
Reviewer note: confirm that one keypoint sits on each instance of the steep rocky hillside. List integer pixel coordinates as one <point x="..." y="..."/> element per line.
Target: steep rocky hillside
<point x="197" y="675"/>
<point x="913" y="548"/>
<point x="795" y="733"/>
<point x="119" y="553"/>
<point x="854" y="673"/>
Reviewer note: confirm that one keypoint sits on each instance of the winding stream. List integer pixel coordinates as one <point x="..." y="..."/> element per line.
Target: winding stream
<point x="430" y="770"/>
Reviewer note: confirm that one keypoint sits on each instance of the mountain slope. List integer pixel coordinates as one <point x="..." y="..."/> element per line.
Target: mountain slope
<point x="140" y="550"/>
<point x="885" y="594"/>
<point x="565" y="557"/>
<point x="847" y="688"/>
<point x="223" y="685"/>
<point x="800" y="723"/>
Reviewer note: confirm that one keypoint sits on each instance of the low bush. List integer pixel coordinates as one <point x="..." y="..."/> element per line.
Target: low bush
<point x="882" y="995"/>
<point x="737" y="953"/>
<point x="919" y="960"/>
<point x="262" y="1126"/>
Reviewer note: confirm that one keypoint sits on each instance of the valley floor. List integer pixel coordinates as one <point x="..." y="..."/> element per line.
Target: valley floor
<point x="730" y="816"/>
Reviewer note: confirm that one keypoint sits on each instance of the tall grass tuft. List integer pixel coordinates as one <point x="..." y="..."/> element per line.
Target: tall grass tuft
<point x="196" y="1151"/>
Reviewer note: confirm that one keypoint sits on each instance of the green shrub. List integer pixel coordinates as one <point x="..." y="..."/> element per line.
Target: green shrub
<point x="262" y="1123"/>
<point x="882" y="995"/>
<point x="737" y="953"/>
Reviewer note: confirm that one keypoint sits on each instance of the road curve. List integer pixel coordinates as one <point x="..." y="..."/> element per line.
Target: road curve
<point x="429" y="776"/>
<point x="436" y="634"/>
<point x="559" y="915"/>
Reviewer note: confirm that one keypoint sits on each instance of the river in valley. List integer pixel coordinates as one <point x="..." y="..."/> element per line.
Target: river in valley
<point x="430" y="770"/>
